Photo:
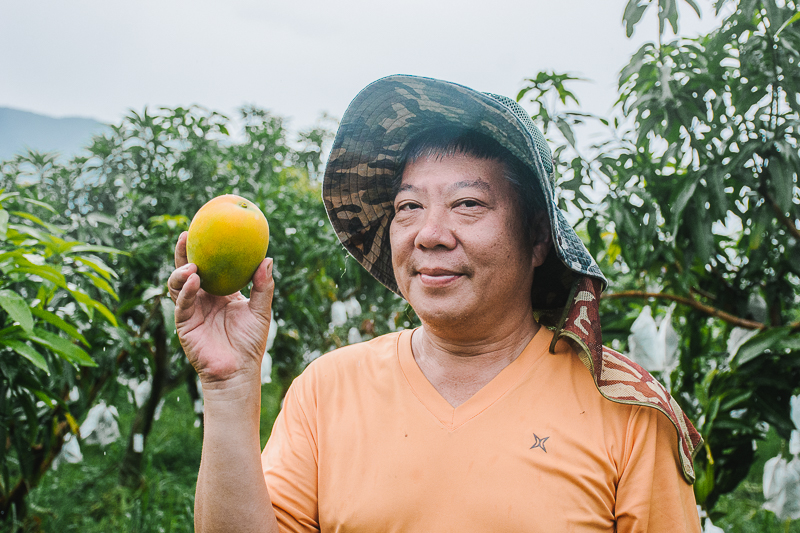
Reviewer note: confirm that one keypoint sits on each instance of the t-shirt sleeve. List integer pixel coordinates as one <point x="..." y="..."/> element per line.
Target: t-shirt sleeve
<point x="289" y="462"/>
<point x="652" y="494"/>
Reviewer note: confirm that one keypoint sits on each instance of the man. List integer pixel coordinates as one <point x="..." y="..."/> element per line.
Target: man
<point x="482" y="419"/>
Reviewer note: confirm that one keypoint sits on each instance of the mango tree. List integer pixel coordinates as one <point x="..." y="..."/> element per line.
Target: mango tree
<point x="692" y="206"/>
<point x="137" y="191"/>
<point x="50" y="291"/>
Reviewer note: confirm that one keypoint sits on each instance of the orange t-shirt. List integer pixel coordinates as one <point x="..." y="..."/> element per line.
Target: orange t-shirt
<point x="365" y="443"/>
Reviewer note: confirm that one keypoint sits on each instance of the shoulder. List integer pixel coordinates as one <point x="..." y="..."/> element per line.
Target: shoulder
<point x="365" y="360"/>
<point x="621" y="380"/>
<point x="379" y="348"/>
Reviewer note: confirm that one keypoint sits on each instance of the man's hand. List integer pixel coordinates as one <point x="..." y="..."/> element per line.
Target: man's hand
<point x="224" y="337"/>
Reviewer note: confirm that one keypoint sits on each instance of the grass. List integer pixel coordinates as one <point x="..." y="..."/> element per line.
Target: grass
<point x="87" y="497"/>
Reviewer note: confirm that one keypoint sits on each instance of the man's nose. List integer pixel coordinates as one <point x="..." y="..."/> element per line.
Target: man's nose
<point x="435" y="230"/>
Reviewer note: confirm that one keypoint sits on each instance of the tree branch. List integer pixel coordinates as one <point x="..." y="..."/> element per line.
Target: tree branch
<point x="694" y="304"/>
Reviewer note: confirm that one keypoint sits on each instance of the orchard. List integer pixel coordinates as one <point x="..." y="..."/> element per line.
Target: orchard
<point x="689" y="201"/>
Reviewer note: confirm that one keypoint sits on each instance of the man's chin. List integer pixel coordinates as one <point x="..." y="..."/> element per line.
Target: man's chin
<point x="452" y="317"/>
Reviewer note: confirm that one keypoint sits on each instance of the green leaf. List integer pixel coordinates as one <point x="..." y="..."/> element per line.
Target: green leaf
<point x="704" y="483"/>
<point x="101" y="284"/>
<point x="769" y="340"/>
<point x="60" y="323"/>
<point x="700" y="230"/>
<point x="782" y="182"/>
<point x="7" y="257"/>
<point x="633" y="14"/>
<point x="97" y="249"/>
<point x="7" y="195"/>
<point x="718" y="5"/>
<point x="635" y="64"/>
<point x="45" y="272"/>
<point x="58" y="246"/>
<point x="672" y="14"/>
<point x="760" y="221"/>
<point x="94" y="218"/>
<point x="150" y="292"/>
<point x="88" y="301"/>
<point x="61" y="346"/>
<point x="17" y="308"/>
<point x="695" y="7"/>
<point x="790" y="343"/>
<point x="98" y="266"/>
<point x="566" y="130"/>
<point x="28" y="352"/>
<point x="33" y="430"/>
<point x="733" y="401"/>
<point x="792" y="20"/>
<point x="715" y="178"/>
<point x="662" y="18"/>
<point x="3" y="224"/>
<point x="39" y="203"/>
<point x="687" y="191"/>
<point x="44" y="397"/>
<point x="669" y="11"/>
<point x="36" y="220"/>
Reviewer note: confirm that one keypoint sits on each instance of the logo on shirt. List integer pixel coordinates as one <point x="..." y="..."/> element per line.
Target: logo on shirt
<point x="539" y="442"/>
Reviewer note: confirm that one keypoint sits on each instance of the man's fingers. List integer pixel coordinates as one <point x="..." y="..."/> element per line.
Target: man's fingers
<point x="184" y="303"/>
<point x="263" y="288"/>
<point x="180" y="250"/>
<point x="178" y="278"/>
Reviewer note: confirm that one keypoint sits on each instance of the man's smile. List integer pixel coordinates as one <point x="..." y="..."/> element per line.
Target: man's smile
<point x="437" y="277"/>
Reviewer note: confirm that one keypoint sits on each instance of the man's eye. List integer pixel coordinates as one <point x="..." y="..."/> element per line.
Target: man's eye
<point x="469" y="203"/>
<point x="407" y="206"/>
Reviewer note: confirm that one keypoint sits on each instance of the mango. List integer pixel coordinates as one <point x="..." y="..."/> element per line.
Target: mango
<point x="228" y="239"/>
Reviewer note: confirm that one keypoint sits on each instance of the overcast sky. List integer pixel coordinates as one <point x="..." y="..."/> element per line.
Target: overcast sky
<point x="298" y="58"/>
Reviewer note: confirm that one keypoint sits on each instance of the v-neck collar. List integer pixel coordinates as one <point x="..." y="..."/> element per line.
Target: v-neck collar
<point x="454" y="417"/>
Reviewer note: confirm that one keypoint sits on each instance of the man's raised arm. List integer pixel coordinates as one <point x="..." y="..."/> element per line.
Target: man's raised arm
<point x="224" y="338"/>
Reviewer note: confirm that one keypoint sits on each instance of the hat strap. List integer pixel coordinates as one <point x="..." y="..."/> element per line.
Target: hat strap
<point x="564" y="315"/>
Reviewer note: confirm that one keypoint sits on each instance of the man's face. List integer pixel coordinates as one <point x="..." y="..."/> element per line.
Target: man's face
<point x="459" y="252"/>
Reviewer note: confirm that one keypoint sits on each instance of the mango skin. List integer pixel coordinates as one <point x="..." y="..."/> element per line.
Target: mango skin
<point x="228" y="239"/>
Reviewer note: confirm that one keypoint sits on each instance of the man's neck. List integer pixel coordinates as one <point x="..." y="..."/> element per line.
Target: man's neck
<point x="458" y="369"/>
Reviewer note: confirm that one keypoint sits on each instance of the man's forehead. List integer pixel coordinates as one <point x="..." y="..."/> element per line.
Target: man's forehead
<point x="461" y="170"/>
<point x="478" y="183"/>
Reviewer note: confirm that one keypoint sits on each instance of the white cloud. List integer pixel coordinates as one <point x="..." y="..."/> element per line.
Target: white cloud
<point x="300" y="58"/>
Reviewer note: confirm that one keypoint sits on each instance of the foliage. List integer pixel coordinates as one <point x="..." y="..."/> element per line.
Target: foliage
<point x="741" y="510"/>
<point x="87" y="497"/>
<point x="136" y="192"/>
<point x="693" y="202"/>
<point x="49" y="293"/>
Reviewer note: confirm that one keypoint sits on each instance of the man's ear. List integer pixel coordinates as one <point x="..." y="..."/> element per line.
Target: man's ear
<point x="541" y="237"/>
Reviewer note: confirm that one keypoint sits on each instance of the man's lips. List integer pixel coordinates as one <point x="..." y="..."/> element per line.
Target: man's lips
<point x="437" y="277"/>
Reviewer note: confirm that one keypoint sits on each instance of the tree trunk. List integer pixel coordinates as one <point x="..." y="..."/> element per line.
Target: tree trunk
<point x="131" y="468"/>
<point x="194" y="394"/>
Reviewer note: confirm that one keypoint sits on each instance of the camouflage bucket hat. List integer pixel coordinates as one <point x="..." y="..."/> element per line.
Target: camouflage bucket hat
<point x="366" y="156"/>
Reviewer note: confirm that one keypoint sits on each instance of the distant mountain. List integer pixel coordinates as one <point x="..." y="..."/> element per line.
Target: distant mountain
<point x="20" y="130"/>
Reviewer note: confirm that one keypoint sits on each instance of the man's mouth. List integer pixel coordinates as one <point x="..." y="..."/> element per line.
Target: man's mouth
<point x="437" y="277"/>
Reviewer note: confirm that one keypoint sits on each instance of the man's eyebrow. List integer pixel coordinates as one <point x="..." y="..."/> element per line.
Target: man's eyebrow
<point x="479" y="183"/>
